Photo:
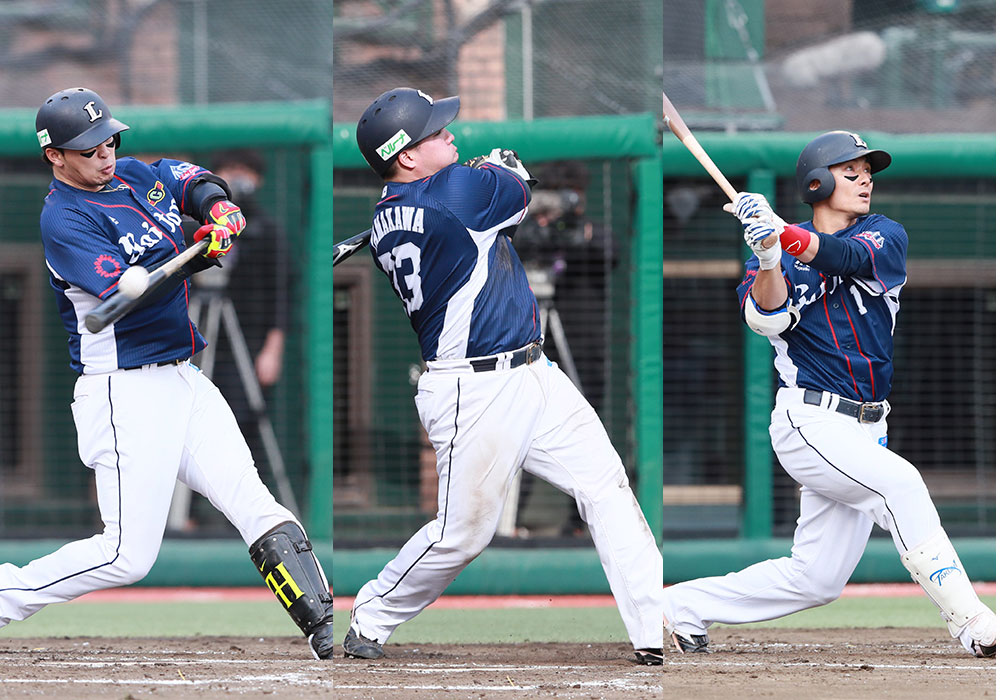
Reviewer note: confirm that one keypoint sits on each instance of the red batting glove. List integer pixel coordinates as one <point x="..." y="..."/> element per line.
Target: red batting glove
<point x="221" y="241"/>
<point x="225" y="213"/>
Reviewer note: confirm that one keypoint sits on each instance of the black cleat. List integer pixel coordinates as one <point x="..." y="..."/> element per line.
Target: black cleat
<point x="649" y="657"/>
<point x="358" y="647"/>
<point x="695" y="644"/>
<point x="321" y="641"/>
<point x="984" y="651"/>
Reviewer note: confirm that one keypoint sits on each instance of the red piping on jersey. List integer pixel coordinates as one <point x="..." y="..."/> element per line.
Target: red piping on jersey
<point x="871" y="254"/>
<point x="126" y="206"/>
<point x="107" y="290"/>
<point x="185" y="185"/>
<point x="391" y="196"/>
<point x="524" y="190"/>
<point x="833" y="334"/>
<point x="871" y="371"/>
<point x="750" y="274"/>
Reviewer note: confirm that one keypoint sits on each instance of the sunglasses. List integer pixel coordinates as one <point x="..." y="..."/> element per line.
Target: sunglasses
<point x="113" y="143"/>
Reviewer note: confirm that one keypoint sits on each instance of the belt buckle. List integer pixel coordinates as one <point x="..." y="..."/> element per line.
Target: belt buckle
<point x="870" y="413"/>
<point x="532" y="354"/>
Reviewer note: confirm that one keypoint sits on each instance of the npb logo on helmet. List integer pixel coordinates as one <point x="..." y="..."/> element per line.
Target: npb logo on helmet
<point x="396" y="143"/>
<point x="43" y="138"/>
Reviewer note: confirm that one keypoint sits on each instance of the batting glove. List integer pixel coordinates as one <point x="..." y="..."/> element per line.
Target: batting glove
<point x="220" y="238"/>
<point x="505" y="158"/>
<point x="749" y="206"/>
<point x="225" y="213"/>
<point x="755" y="233"/>
<point x="476" y="162"/>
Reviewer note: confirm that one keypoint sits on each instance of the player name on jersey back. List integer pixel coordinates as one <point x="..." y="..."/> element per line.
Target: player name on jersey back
<point x="398" y="219"/>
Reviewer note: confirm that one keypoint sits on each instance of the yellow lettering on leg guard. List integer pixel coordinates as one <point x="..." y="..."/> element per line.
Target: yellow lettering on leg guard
<point x="278" y="587"/>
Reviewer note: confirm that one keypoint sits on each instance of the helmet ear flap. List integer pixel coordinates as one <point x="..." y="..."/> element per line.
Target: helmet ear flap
<point x="825" y="189"/>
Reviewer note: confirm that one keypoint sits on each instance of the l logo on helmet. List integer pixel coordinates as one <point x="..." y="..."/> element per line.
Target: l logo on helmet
<point x="94" y="114"/>
<point x="425" y="96"/>
<point x="396" y="143"/>
<point x="859" y="142"/>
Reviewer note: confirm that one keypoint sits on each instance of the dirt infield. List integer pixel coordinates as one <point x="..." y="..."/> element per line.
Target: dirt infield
<point x="207" y="667"/>
<point x="832" y="664"/>
<point x="853" y="664"/>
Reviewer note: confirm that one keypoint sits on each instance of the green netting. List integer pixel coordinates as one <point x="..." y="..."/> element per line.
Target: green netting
<point x="719" y="380"/>
<point x="44" y="489"/>
<point x="603" y="263"/>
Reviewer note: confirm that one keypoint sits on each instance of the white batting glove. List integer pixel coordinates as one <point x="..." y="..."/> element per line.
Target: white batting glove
<point x="755" y="233"/>
<point x="749" y="206"/>
<point x="508" y="158"/>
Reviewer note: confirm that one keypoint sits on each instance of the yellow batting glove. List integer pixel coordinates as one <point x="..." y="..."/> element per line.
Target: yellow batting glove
<point x="225" y="213"/>
<point x="220" y="237"/>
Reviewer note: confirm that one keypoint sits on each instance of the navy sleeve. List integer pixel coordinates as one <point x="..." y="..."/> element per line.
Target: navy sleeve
<point x="837" y="256"/>
<point x="78" y="252"/>
<point x="884" y="242"/>
<point x="178" y="175"/>
<point x="483" y="198"/>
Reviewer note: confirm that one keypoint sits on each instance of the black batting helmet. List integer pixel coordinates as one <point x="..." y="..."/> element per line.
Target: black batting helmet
<point x="399" y="119"/>
<point x="829" y="149"/>
<point x="77" y="119"/>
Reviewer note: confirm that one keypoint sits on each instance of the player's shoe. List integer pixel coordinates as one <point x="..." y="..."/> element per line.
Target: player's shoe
<point x="358" y="647"/>
<point x="321" y="641"/>
<point x="979" y="636"/>
<point x="649" y="657"/>
<point x="695" y="644"/>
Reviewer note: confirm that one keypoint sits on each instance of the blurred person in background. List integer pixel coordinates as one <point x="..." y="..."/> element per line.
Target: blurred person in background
<point x="145" y="415"/>
<point x="490" y="400"/>
<point x="568" y="258"/>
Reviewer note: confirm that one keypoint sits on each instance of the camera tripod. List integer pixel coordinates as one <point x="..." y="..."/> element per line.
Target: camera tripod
<point x="219" y="309"/>
<point x="543" y="285"/>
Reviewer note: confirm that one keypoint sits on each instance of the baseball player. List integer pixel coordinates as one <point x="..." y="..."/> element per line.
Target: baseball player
<point x="490" y="401"/>
<point x="826" y="298"/>
<point x="145" y="416"/>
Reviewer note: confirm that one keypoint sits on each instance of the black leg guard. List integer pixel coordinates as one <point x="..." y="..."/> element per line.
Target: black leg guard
<point x="285" y="559"/>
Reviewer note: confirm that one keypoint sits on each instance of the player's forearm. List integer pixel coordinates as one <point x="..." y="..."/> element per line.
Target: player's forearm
<point x="769" y="289"/>
<point x="834" y="256"/>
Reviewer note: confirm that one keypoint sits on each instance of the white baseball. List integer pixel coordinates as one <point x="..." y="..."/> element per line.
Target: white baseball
<point x="133" y="281"/>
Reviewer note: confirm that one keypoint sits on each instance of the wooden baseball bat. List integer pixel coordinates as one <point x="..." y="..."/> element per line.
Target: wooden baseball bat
<point x="348" y="247"/>
<point x="673" y="119"/>
<point x="118" y="305"/>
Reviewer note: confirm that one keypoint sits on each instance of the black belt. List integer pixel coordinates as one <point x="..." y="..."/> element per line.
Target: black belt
<point x="524" y="356"/>
<point x="165" y="363"/>
<point x="860" y="411"/>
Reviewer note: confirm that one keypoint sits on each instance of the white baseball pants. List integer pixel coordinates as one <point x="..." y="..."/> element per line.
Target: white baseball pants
<point x="140" y="430"/>
<point x="484" y="426"/>
<point x="849" y="481"/>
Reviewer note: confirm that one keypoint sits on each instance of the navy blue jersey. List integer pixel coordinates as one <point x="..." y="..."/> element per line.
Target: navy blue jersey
<point x="90" y="238"/>
<point x="843" y="342"/>
<point x="442" y="244"/>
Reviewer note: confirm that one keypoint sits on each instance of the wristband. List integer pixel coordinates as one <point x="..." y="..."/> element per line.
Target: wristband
<point x="794" y="240"/>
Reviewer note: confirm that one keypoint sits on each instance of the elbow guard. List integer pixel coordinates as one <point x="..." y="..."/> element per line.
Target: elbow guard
<point x="768" y="323"/>
<point x="206" y="190"/>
